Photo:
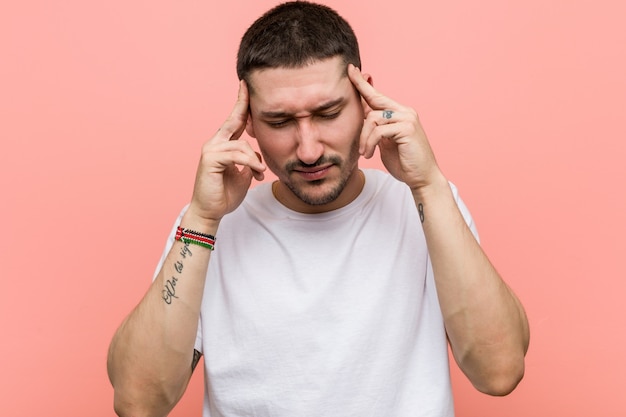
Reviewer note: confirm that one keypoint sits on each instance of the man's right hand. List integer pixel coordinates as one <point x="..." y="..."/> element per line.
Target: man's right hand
<point x="226" y="167"/>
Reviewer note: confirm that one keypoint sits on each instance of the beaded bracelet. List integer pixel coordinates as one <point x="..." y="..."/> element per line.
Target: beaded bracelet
<point x="189" y="236"/>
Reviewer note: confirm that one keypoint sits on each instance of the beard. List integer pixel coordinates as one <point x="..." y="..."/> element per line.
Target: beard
<point x="323" y="191"/>
<point x="312" y="198"/>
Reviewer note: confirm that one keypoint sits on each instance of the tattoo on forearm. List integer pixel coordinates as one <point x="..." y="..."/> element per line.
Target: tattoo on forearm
<point x="196" y="358"/>
<point x="169" y="290"/>
<point x="185" y="251"/>
<point x="420" y="210"/>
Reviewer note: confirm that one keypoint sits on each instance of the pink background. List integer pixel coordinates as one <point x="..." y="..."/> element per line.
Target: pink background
<point x="104" y="107"/>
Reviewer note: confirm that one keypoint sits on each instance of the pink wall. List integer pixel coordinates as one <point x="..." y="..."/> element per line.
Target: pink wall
<point x="104" y="106"/>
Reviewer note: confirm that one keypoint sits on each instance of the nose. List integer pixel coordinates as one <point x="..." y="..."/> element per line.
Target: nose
<point x="310" y="148"/>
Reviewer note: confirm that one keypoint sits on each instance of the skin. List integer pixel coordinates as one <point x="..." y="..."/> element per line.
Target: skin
<point x="308" y="130"/>
<point x="312" y="124"/>
<point x="486" y="324"/>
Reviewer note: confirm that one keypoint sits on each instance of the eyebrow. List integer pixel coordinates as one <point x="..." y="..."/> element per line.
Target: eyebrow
<point x="318" y="109"/>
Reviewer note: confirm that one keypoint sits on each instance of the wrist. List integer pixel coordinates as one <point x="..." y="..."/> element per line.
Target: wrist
<point x="198" y="223"/>
<point x="188" y="236"/>
<point x="436" y="186"/>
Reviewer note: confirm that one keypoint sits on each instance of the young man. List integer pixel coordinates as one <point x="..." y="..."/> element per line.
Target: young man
<point x="333" y="291"/>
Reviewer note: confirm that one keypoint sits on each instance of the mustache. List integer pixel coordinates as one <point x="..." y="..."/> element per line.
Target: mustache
<point x="323" y="160"/>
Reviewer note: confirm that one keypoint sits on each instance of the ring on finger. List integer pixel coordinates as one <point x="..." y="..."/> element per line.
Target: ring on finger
<point x="387" y="114"/>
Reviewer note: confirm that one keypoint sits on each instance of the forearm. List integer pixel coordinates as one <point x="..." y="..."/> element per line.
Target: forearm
<point x="150" y="357"/>
<point x="485" y="322"/>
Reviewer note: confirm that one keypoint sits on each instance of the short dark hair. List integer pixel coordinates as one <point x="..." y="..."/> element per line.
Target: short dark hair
<point x="295" y="34"/>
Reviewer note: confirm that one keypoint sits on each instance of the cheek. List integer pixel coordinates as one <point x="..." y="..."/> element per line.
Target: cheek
<point x="274" y="146"/>
<point x="350" y="128"/>
<point x="270" y="143"/>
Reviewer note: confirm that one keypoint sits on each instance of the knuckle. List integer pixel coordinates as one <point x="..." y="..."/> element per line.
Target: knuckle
<point x="206" y="147"/>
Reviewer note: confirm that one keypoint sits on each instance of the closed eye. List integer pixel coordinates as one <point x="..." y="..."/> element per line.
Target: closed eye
<point x="332" y="115"/>
<point x="277" y="124"/>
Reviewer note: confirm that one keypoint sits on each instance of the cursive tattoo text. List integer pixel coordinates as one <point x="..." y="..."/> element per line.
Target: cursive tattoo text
<point x="169" y="290"/>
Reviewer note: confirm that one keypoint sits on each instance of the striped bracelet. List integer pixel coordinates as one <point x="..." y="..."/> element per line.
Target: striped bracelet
<point x="189" y="236"/>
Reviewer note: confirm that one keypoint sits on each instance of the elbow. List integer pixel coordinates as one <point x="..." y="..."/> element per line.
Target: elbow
<point x="138" y="392"/>
<point x="124" y="409"/>
<point x="140" y="398"/>
<point x="502" y="380"/>
<point x="496" y="369"/>
<point x="128" y="406"/>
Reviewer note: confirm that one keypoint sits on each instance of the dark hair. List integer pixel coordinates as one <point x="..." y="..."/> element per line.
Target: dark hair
<point x="295" y="34"/>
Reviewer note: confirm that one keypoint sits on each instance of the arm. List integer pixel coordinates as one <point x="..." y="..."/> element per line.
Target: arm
<point x="485" y="322"/>
<point x="151" y="356"/>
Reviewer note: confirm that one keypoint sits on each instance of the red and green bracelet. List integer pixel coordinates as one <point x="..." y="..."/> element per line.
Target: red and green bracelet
<point x="189" y="236"/>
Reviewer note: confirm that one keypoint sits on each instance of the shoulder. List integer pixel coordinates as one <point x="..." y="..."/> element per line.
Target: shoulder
<point x="383" y="186"/>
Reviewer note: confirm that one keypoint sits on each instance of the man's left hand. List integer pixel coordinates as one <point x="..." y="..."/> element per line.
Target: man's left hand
<point x="396" y="130"/>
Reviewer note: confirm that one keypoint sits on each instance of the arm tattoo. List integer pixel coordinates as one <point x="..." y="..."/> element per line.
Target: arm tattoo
<point x="169" y="290"/>
<point x="196" y="358"/>
<point x="420" y="210"/>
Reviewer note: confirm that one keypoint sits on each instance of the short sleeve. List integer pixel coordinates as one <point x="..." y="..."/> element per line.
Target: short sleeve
<point x="464" y="211"/>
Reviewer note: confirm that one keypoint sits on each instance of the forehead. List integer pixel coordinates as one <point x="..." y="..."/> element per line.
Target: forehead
<point x="298" y="89"/>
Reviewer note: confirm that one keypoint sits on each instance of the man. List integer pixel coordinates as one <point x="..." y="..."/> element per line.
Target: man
<point x="333" y="291"/>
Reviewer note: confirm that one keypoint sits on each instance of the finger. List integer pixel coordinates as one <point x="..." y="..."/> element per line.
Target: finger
<point x="259" y="175"/>
<point x="219" y="155"/>
<point x="385" y="117"/>
<point x="234" y="126"/>
<point x="379" y="133"/>
<point x="372" y="97"/>
<point x="374" y="119"/>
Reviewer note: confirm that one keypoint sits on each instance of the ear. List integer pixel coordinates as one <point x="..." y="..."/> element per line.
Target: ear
<point x="366" y="107"/>
<point x="249" y="127"/>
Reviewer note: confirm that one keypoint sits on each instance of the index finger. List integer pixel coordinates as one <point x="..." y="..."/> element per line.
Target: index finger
<point x="373" y="97"/>
<point x="234" y="126"/>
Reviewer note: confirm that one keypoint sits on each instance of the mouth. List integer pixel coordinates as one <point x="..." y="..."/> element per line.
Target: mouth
<point x="313" y="173"/>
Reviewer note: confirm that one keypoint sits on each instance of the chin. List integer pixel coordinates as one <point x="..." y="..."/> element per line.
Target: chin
<point x="320" y="197"/>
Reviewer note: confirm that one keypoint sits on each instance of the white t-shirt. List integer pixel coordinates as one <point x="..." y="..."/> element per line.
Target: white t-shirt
<point x="332" y="314"/>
